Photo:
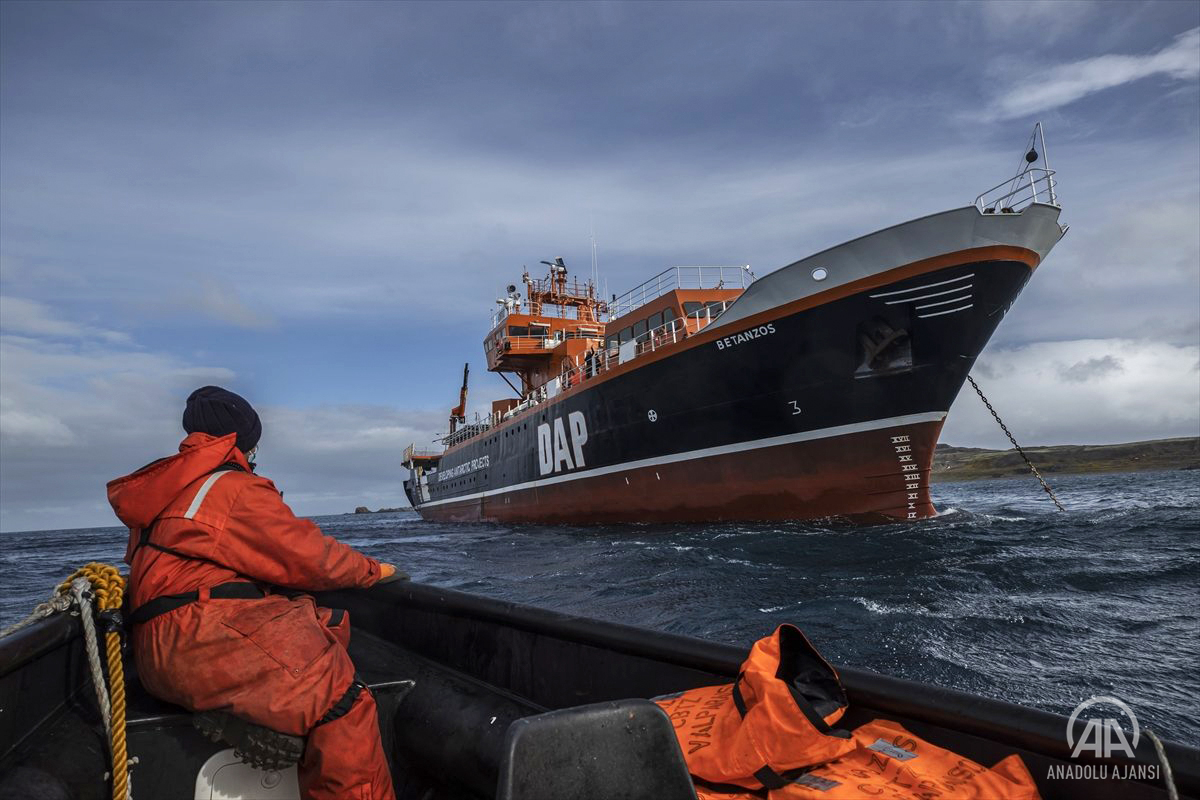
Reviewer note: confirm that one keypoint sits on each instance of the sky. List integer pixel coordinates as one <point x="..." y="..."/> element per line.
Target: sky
<point x="316" y="205"/>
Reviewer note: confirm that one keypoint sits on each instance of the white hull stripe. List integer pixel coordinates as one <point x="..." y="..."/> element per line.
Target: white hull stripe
<point x="199" y="498"/>
<point x="955" y="290"/>
<point x="926" y="286"/>
<point x="944" y="302"/>
<point x="739" y="447"/>
<point x="950" y="311"/>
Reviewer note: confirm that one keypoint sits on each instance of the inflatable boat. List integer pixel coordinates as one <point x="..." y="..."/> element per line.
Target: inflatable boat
<point x="481" y="698"/>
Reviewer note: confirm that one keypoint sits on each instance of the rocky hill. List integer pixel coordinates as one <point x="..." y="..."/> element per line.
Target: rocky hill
<point x="972" y="463"/>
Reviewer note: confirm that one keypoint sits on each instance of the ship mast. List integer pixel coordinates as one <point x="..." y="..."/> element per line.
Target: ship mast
<point x="458" y="414"/>
<point x="549" y="332"/>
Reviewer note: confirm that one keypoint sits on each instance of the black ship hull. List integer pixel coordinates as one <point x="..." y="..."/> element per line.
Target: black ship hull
<point x="823" y="405"/>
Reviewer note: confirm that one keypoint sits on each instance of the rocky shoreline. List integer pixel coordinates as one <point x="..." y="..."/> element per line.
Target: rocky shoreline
<point x="974" y="463"/>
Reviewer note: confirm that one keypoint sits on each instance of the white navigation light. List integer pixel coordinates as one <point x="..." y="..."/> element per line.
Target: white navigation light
<point x="820" y="274"/>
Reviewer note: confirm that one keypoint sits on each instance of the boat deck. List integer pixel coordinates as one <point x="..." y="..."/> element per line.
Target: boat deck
<point x="483" y="669"/>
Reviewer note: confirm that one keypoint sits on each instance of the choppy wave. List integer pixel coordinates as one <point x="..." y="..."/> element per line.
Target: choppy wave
<point x="999" y="595"/>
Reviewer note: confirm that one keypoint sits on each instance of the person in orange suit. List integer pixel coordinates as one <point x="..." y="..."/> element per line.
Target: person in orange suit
<point x="211" y="548"/>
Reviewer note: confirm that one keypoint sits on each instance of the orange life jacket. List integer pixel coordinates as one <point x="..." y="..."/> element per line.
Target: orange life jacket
<point x="889" y="763"/>
<point x="775" y="717"/>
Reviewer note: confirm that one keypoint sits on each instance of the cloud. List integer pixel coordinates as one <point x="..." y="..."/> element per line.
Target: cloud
<point x="1084" y="371"/>
<point x="415" y="217"/>
<point x="1063" y="84"/>
<point x="1129" y="268"/>
<point x="1047" y="20"/>
<point x="27" y="424"/>
<point x="222" y="303"/>
<point x="23" y="316"/>
<point x="1091" y="391"/>
<point x="77" y="410"/>
<point x="78" y="406"/>
<point x="334" y="458"/>
<point x="348" y="226"/>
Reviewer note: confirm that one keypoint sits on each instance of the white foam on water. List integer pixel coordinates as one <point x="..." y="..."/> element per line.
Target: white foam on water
<point x="743" y="563"/>
<point x="876" y="607"/>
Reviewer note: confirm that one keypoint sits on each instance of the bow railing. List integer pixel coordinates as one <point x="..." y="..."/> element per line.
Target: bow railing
<point x="1034" y="185"/>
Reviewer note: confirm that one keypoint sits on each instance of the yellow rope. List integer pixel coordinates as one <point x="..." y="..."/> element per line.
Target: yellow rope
<point x="109" y="588"/>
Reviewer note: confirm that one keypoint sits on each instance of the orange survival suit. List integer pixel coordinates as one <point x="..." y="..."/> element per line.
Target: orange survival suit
<point x="202" y="521"/>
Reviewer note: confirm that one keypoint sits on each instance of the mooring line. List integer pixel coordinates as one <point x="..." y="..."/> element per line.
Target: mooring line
<point x="1008" y="433"/>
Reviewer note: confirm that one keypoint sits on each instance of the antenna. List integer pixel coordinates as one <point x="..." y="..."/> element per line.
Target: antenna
<point x="592" y="237"/>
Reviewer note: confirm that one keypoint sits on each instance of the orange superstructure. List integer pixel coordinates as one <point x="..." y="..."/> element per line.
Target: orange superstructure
<point x="546" y="335"/>
<point x="563" y="332"/>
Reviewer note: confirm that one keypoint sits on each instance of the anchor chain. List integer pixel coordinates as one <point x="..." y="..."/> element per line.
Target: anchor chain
<point x="1008" y="433"/>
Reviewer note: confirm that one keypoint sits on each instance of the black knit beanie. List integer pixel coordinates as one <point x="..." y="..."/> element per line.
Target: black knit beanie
<point x="217" y="411"/>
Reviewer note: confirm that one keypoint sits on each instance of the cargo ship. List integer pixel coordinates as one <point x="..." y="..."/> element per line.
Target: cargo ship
<point x="817" y="390"/>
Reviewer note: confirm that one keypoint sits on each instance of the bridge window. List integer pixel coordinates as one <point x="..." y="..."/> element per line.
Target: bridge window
<point x="518" y="330"/>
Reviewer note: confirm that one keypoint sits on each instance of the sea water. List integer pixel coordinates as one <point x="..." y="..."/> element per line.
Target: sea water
<point x="1001" y="595"/>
